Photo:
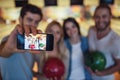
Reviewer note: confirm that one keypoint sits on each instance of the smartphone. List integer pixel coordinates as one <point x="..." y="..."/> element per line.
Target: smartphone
<point x="35" y="42"/>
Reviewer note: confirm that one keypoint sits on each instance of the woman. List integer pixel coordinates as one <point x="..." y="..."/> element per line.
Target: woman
<point x="59" y="49"/>
<point x="77" y="46"/>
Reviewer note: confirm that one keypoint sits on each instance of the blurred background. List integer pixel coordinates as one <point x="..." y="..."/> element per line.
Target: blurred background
<point x="81" y="10"/>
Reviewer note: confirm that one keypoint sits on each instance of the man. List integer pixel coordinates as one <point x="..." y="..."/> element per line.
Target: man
<point x="18" y="64"/>
<point x="103" y="38"/>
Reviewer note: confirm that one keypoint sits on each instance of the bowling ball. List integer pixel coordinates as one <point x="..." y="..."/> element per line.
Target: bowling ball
<point x="54" y="67"/>
<point x="95" y="60"/>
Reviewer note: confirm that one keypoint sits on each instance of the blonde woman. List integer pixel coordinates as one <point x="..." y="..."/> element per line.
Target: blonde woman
<point x="58" y="51"/>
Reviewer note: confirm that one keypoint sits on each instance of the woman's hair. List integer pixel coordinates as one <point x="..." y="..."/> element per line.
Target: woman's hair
<point x="61" y="42"/>
<point x="50" y="25"/>
<point x="70" y="19"/>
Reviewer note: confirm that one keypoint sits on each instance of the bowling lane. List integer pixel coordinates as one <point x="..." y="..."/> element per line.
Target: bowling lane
<point x="5" y="29"/>
<point x="85" y="25"/>
<point x="116" y="26"/>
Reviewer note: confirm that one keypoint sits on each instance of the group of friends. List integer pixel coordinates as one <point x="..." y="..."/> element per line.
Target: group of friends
<point x="69" y="46"/>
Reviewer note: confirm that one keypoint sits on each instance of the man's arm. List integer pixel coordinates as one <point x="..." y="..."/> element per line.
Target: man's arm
<point x="110" y="70"/>
<point x="2" y="53"/>
<point x="8" y="47"/>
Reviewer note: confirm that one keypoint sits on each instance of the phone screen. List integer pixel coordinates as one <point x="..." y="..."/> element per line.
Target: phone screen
<point x="35" y="42"/>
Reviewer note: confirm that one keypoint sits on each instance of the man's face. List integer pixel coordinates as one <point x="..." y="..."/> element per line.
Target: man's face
<point x="30" y="20"/>
<point x="102" y="19"/>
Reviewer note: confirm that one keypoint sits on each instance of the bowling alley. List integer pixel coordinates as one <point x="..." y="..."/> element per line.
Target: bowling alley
<point x="59" y="39"/>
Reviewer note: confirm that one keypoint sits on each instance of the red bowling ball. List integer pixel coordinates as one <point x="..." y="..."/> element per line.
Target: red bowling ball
<point x="54" y="67"/>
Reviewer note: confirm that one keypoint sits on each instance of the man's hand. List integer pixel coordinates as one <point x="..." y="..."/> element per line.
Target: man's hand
<point x="10" y="45"/>
<point x="96" y="72"/>
<point x="27" y="30"/>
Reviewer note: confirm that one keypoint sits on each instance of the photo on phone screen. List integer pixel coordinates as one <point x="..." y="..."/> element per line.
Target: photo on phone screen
<point x="35" y="42"/>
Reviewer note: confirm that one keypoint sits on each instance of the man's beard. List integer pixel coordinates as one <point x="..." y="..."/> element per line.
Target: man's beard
<point x="103" y="29"/>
